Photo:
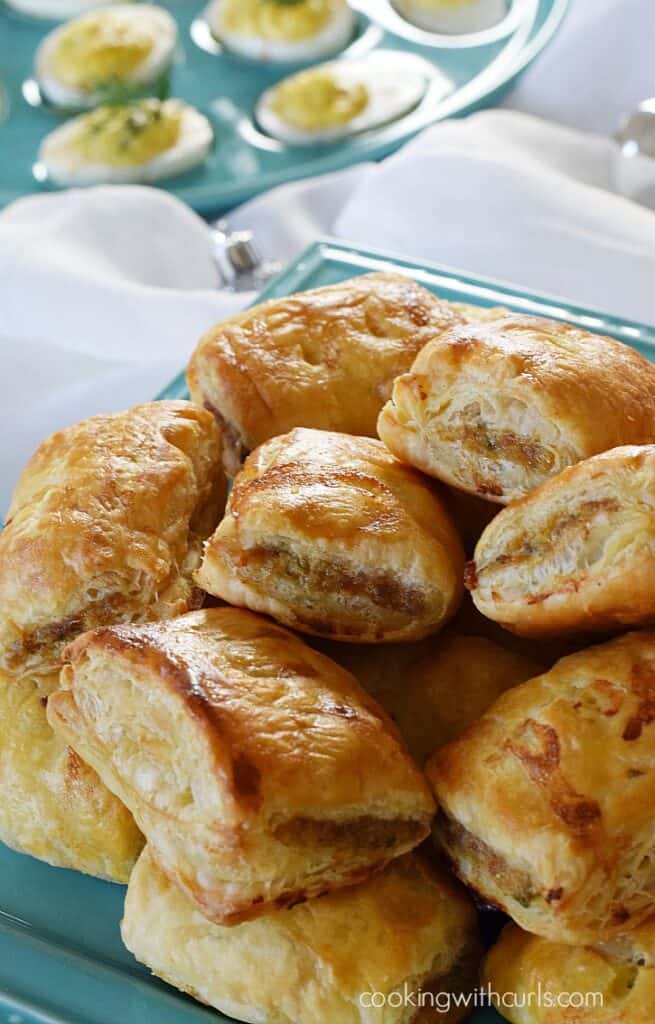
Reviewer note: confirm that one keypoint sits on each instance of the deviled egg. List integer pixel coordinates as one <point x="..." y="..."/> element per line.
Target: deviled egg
<point x="452" y="16"/>
<point x="343" y="98"/>
<point x="143" y="142"/>
<point x="282" y="30"/>
<point x="128" y="47"/>
<point x="55" y="10"/>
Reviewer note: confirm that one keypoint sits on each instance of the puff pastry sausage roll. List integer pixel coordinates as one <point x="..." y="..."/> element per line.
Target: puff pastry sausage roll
<point x="497" y="408"/>
<point x="547" y="804"/>
<point x="409" y="930"/>
<point x="434" y="690"/>
<point x="325" y="358"/>
<point x="599" y="988"/>
<point x="106" y="525"/>
<point x="332" y="535"/>
<point x="577" y="555"/>
<point x="260" y="771"/>
<point x="52" y="805"/>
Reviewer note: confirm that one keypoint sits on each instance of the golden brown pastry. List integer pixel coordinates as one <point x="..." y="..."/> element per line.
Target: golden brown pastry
<point x="260" y="772"/>
<point x="547" y="804"/>
<point x="51" y="804"/>
<point x="332" y="535"/>
<point x="435" y="689"/>
<point x="106" y="525"/>
<point x="570" y="985"/>
<point x="325" y="358"/>
<point x="473" y="314"/>
<point x="576" y="555"/>
<point x="496" y="408"/>
<point x="409" y="930"/>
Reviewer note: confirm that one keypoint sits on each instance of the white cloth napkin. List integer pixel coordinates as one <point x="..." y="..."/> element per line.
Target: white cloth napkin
<point x="103" y="293"/>
<point x="517" y="199"/>
<point x="598" y="68"/>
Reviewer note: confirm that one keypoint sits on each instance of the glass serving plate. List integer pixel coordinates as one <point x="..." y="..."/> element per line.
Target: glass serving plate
<point x="466" y="72"/>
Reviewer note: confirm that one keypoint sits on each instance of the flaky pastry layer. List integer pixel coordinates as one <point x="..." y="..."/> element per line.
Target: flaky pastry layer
<point x="106" y="525"/>
<point x="546" y="803"/>
<point x="435" y="689"/>
<point x="410" y="929"/>
<point x="569" y="984"/>
<point x="260" y="772"/>
<point x="331" y="535"/>
<point x="577" y="555"/>
<point x="497" y="408"/>
<point x="52" y="805"/>
<point x="325" y="358"/>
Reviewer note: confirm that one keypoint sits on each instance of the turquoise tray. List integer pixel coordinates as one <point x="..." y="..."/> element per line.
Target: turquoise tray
<point x="329" y="261"/>
<point x="244" y="162"/>
<point x="61" y="958"/>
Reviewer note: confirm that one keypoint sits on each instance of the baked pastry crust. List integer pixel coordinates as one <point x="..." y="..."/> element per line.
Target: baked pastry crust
<point x="435" y="689"/>
<point x="325" y="358"/>
<point x="547" y="804"/>
<point x="497" y="408"/>
<point x="409" y="926"/>
<point x="331" y="535"/>
<point x="473" y="314"/>
<point x="52" y="805"/>
<point x="106" y="525"/>
<point x="604" y="990"/>
<point x="577" y="554"/>
<point x="261" y="772"/>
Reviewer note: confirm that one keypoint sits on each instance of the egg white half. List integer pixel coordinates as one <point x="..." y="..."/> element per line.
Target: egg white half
<point x="67" y="169"/>
<point x="162" y="29"/>
<point x="396" y="83"/>
<point x="55" y="10"/>
<point x="333" y="37"/>
<point x="453" y="19"/>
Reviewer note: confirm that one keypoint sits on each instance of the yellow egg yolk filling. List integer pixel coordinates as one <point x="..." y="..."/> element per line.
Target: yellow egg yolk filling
<point x="128" y="136"/>
<point x="100" y="50"/>
<point x="278" y="19"/>
<point x="314" y="99"/>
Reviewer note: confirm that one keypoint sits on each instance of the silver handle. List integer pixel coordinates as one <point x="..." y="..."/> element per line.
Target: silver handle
<point x="239" y="261"/>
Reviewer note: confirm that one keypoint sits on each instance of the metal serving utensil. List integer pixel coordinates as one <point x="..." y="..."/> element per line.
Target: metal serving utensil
<point x="239" y="262"/>
<point x="634" y="168"/>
